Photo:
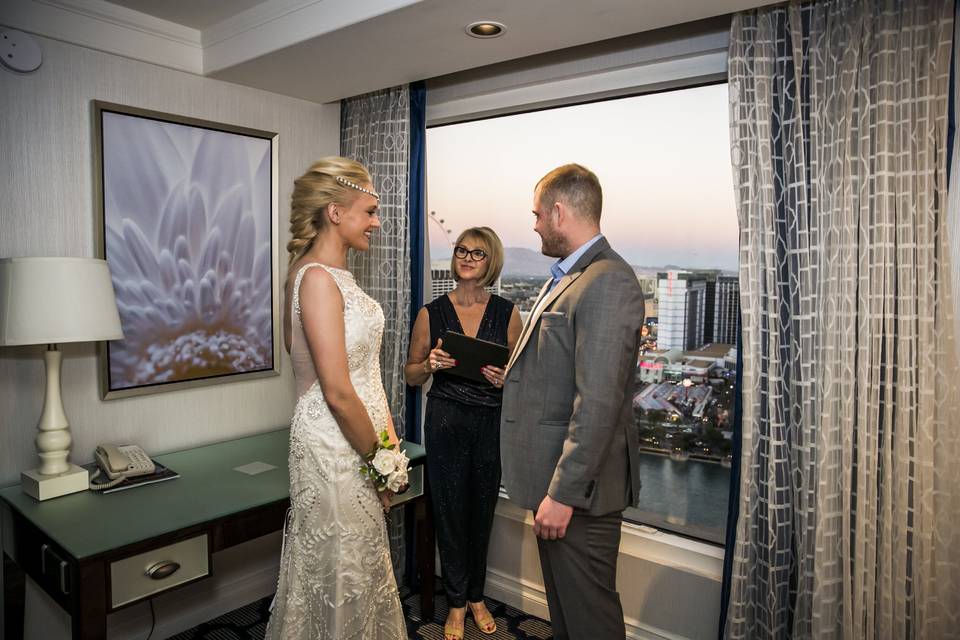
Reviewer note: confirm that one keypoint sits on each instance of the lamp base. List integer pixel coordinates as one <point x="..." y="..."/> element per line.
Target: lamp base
<point x="41" y="487"/>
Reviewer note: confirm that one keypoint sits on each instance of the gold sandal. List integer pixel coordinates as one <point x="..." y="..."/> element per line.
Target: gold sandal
<point x="485" y="622"/>
<point x="451" y="632"/>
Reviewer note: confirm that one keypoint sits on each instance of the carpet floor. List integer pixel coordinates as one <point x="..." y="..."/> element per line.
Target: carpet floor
<point x="250" y="622"/>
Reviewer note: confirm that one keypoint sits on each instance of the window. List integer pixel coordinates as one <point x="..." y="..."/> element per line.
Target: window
<point x="663" y="161"/>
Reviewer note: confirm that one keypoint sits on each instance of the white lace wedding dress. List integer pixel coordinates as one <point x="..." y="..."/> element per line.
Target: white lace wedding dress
<point x="336" y="579"/>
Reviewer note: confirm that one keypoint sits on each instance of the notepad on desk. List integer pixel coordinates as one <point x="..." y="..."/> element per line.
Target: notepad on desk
<point x="472" y="354"/>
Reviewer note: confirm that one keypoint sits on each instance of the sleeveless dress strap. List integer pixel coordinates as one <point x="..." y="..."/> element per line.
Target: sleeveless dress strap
<point x="299" y="278"/>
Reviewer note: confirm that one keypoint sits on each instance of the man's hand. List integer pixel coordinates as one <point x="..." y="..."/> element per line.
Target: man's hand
<point x="551" y="519"/>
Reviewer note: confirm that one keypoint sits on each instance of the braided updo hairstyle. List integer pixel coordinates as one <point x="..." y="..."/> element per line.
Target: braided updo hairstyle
<point x="313" y="192"/>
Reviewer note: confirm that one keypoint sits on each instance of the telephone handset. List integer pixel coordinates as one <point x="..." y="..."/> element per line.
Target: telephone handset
<point x="120" y="463"/>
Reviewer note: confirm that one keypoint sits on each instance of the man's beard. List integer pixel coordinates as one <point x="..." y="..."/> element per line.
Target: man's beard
<point x="552" y="244"/>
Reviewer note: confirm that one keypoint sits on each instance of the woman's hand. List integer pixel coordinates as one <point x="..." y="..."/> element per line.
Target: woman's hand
<point x="494" y="375"/>
<point x="385" y="496"/>
<point x="438" y="359"/>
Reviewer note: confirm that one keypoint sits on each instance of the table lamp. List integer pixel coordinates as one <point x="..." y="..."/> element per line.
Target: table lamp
<point x="50" y="301"/>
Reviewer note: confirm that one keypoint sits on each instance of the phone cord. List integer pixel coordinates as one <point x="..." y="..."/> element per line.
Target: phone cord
<point x="100" y="486"/>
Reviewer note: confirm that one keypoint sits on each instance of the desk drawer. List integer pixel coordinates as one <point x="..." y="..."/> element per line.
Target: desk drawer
<point x="157" y="570"/>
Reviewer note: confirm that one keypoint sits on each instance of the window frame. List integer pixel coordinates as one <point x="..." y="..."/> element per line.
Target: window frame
<point x="701" y="62"/>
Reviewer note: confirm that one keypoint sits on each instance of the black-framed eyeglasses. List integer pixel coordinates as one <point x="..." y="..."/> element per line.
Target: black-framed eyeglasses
<point x="476" y="255"/>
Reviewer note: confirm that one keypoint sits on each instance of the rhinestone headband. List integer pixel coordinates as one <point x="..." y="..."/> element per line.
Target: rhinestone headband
<point x="354" y="185"/>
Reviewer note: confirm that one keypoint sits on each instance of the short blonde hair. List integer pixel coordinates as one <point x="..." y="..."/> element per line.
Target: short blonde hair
<point x="314" y="191"/>
<point x="491" y="244"/>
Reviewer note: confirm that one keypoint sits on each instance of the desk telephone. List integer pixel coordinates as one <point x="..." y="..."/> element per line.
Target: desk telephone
<point x="120" y="463"/>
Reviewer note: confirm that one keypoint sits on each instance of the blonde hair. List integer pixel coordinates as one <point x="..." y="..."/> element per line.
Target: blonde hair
<point x="491" y="244"/>
<point x="313" y="192"/>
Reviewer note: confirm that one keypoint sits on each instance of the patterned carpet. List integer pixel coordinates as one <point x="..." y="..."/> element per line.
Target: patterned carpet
<point x="249" y="622"/>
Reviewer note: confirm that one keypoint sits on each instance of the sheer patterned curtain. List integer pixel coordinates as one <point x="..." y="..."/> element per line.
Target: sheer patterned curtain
<point x="375" y="130"/>
<point x="850" y="485"/>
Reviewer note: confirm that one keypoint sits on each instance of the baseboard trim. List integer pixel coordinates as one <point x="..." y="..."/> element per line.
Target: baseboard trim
<point x="521" y="594"/>
<point x="531" y="598"/>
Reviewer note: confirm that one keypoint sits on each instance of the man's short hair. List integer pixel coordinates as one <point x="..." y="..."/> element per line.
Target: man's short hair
<point x="576" y="186"/>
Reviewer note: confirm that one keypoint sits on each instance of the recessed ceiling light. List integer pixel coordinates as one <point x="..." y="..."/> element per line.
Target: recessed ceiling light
<point x="485" y="29"/>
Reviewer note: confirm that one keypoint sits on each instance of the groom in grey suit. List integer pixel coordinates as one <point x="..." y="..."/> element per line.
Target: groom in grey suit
<point x="568" y="443"/>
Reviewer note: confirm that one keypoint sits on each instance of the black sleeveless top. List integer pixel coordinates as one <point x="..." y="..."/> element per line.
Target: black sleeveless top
<point x="493" y="328"/>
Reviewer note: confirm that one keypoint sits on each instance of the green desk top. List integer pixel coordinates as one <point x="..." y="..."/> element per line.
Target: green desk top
<point x="208" y="488"/>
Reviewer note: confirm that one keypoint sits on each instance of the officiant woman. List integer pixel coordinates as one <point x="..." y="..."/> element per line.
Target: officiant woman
<point x="462" y="425"/>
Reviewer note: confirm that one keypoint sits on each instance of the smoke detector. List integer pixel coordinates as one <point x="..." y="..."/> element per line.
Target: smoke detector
<point x="19" y="51"/>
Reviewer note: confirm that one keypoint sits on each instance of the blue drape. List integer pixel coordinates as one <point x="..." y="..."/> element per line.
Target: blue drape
<point x="951" y="98"/>
<point x="734" y="500"/>
<point x="417" y="200"/>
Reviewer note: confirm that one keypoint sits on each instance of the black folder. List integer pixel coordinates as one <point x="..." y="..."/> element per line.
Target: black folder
<point x="472" y="354"/>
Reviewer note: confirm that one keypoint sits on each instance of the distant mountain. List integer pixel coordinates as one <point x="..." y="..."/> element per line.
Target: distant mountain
<point x="520" y="262"/>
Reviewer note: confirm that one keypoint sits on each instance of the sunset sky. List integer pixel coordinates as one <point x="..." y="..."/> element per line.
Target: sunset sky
<point x="663" y="161"/>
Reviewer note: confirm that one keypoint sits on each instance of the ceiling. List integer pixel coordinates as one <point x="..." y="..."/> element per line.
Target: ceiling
<point x="196" y="14"/>
<point x="324" y="50"/>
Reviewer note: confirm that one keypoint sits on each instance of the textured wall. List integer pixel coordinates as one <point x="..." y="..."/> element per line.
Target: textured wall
<point x="47" y="208"/>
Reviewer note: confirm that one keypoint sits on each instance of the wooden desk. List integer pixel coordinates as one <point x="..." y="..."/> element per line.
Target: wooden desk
<point x="74" y="547"/>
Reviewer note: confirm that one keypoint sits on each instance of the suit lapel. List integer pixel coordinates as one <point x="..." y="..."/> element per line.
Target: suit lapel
<point x="528" y="326"/>
<point x="565" y="281"/>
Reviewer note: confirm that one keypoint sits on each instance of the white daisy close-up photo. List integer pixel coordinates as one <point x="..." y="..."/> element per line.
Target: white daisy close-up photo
<point x="187" y="226"/>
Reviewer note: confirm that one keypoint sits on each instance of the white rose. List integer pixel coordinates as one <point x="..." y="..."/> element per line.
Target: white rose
<point x="385" y="462"/>
<point x="397" y="480"/>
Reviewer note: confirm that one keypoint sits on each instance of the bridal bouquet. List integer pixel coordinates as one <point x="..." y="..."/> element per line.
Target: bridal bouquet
<point x="386" y="465"/>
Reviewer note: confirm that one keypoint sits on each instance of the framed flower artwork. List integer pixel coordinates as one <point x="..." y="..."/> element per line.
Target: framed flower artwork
<point x="187" y="221"/>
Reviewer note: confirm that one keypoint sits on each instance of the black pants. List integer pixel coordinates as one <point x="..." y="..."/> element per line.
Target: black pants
<point x="463" y="462"/>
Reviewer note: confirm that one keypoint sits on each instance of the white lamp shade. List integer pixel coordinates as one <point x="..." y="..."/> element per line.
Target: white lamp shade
<point x="56" y="300"/>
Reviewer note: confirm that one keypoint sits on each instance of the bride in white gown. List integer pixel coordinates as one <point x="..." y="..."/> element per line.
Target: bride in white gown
<point x="336" y="579"/>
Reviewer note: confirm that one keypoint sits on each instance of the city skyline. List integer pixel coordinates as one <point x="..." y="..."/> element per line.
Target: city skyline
<point x="646" y="150"/>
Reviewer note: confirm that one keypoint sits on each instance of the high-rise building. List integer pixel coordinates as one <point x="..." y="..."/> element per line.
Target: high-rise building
<point x="648" y="284"/>
<point x="441" y="282"/>
<point x="710" y="298"/>
<point x="726" y="310"/>
<point x="682" y="297"/>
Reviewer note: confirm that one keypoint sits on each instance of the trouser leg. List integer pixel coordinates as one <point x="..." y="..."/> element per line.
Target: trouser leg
<point x="484" y="489"/>
<point x="449" y="471"/>
<point x="557" y="622"/>
<point x="583" y="578"/>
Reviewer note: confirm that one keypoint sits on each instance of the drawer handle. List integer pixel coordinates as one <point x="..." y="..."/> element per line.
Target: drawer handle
<point x="162" y="569"/>
<point x="63" y="578"/>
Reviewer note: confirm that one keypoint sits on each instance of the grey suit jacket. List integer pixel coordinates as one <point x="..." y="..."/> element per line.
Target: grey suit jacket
<point x="566" y="426"/>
